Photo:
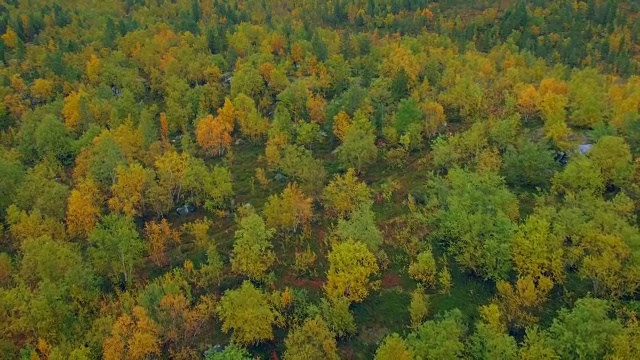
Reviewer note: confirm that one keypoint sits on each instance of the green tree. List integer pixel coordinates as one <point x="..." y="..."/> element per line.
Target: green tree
<point x="11" y="175"/>
<point x="116" y="247"/>
<point x="252" y="255"/>
<point x="52" y="140"/>
<point x="41" y="190"/>
<point x="56" y="291"/>
<point x="338" y="317"/>
<point x="584" y="332"/>
<point x="424" y="269"/>
<point x="581" y="175"/>
<point x="537" y="345"/>
<point x="345" y="193"/>
<point x="358" y="148"/>
<point x="247" y="80"/>
<point x="408" y="113"/>
<point x="360" y="226"/>
<point x="440" y="338"/>
<point x="105" y="157"/>
<point x="476" y="215"/>
<point x="230" y="352"/>
<point x="530" y="164"/>
<point x="489" y="343"/>
<point x="531" y="245"/>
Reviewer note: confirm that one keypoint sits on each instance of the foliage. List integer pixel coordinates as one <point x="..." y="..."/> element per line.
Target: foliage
<point x="311" y="340"/>
<point x="350" y="266"/>
<point x="252" y="255"/>
<point x="476" y="214"/>
<point x="247" y="312"/>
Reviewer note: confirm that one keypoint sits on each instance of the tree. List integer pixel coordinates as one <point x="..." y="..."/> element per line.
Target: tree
<point x="115" y="247"/>
<point x="53" y="294"/>
<point x="527" y="99"/>
<point x="52" y="140"/>
<point x="312" y="340"/>
<point x="444" y="277"/>
<point x="581" y="175"/>
<point x="345" y="193"/>
<point x="361" y="226"/>
<point x="201" y="186"/>
<point x="11" y="175"/>
<point x="288" y="211"/>
<point x="252" y="124"/>
<point x="520" y="300"/>
<point x="531" y="246"/>
<point x="199" y="229"/>
<point x="43" y="89"/>
<point x="72" y="111"/>
<point x="128" y="191"/>
<point x="230" y="352"/>
<point x="408" y="113"/>
<point x="584" y="332"/>
<point x="41" y="190"/>
<point x="537" y="345"/>
<point x="158" y="236"/>
<point x="247" y="80"/>
<point x="247" y="312"/>
<point x="105" y="157"/>
<point x="83" y="209"/>
<point x="613" y="156"/>
<point x="338" y="317"/>
<point x="350" y="266"/>
<point x="419" y="307"/>
<point x="470" y="199"/>
<point x="529" y="164"/>
<point x="489" y="343"/>
<point x="341" y="123"/>
<point x="435" y="118"/>
<point x="252" y="255"/>
<point x="170" y="170"/>
<point x="423" y="269"/>
<point x="133" y="336"/>
<point x="587" y="98"/>
<point x="393" y="347"/>
<point x="214" y="135"/>
<point x="358" y="148"/>
<point x="440" y="338"/>
<point x="317" y="107"/>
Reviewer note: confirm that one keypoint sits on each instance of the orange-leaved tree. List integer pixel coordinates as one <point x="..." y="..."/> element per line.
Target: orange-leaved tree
<point x="213" y="135"/>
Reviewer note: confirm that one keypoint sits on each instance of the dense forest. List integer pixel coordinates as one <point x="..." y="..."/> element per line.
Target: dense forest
<point x="310" y="179"/>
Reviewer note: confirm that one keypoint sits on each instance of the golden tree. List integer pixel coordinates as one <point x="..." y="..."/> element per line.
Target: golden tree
<point x="213" y="135"/>
<point x="350" y="266"/>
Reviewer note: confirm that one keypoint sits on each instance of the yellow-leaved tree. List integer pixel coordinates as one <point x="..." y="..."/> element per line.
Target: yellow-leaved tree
<point x="129" y="189"/>
<point x="345" y="194"/>
<point x="312" y="340"/>
<point x="289" y="211"/>
<point x="83" y="208"/>
<point x="247" y="312"/>
<point x="133" y="337"/>
<point x="351" y="264"/>
<point x="252" y="255"/>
